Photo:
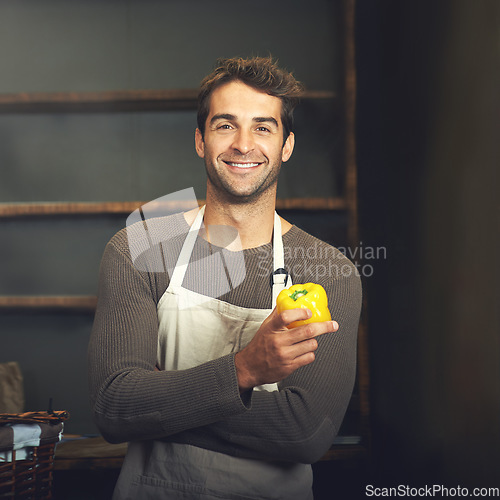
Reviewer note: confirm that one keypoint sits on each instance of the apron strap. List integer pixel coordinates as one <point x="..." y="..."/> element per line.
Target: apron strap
<point x="187" y="248"/>
<point x="280" y="279"/>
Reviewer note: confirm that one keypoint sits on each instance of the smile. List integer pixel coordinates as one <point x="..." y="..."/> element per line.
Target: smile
<point x="241" y="165"/>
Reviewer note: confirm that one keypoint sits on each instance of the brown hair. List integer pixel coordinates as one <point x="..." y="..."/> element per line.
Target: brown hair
<point x="261" y="73"/>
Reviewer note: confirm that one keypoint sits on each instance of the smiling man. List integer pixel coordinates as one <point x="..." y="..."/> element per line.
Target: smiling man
<point x="217" y="397"/>
<point x="242" y="144"/>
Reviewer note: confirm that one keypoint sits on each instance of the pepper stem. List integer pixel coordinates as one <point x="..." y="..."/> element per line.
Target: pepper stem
<point x="298" y="293"/>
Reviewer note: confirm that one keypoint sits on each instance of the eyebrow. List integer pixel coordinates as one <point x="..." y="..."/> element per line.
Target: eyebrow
<point x="222" y="116"/>
<point x="264" y="119"/>
<point x="257" y="119"/>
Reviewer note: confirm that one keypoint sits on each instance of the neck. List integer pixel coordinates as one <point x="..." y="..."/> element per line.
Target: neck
<point x="254" y="220"/>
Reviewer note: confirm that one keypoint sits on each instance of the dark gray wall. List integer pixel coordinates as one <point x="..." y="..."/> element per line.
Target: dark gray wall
<point x="65" y="46"/>
<point x="112" y="45"/>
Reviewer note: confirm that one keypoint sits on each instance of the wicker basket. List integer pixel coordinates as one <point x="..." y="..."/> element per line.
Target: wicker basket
<point x="31" y="476"/>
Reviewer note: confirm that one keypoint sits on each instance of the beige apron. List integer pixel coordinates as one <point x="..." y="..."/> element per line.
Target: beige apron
<point x="187" y="472"/>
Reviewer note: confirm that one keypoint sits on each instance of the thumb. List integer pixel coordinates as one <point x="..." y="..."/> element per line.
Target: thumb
<point x="275" y="320"/>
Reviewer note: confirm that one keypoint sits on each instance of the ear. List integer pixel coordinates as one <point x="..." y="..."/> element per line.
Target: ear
<point x="199" y="143"/>
<point x="287" y="150"/>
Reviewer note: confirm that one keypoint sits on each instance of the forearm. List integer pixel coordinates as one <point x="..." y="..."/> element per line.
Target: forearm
<point x="138" y="403"/>
<point x="297" y="423"/>
<point x="274" y="440"/>
<point x="130" y="399"/>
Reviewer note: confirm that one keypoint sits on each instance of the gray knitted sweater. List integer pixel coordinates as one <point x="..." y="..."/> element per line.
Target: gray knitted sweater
<point x="202" y="406"/>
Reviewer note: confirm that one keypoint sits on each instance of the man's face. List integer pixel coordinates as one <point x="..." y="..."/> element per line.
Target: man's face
<point x="243" y="144"/>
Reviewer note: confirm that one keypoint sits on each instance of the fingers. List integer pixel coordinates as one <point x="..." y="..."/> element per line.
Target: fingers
<point x="304" y="359"/>
<point x="291" y="315"/>
<point x="277" y="351"/>
<point x="312" y="330"/>
<point x="301" y="349"/>
<point x="280" y="322"/>
<point x="302" y="341"/>
<point x="298" y="314"/>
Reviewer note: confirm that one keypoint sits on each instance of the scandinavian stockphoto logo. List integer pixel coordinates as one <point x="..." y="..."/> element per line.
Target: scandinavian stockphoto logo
<point x="320" y="261"/>
<point x="216" y="264"/>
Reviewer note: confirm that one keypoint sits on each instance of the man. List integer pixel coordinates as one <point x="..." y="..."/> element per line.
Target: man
<point x="216" y="396"/>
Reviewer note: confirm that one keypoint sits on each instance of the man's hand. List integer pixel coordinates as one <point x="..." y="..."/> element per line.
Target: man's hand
<point x="276" y="351"/>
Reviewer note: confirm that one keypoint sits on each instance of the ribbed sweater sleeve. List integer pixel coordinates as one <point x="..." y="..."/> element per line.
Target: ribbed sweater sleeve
<point x="130" y="399"/>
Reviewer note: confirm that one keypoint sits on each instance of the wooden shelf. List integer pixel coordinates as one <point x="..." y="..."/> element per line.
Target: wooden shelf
<point x="113" y="101"/>
<point x="84" y="303"/>
<point x="89" y="453"/>
<point x="15" y="210"/>
<point x="105" y="463"/>
<point x="346" y="452"/>
<point x="95" y="453"/>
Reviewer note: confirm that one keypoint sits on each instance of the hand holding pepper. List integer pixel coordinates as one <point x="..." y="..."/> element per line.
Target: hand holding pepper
<point x="278" y="348"/>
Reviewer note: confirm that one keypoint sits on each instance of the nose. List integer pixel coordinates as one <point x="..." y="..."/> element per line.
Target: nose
<point x="243" y="141"/>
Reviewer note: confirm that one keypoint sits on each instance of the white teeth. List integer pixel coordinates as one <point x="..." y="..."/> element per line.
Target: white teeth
<point x="243" y="165"/>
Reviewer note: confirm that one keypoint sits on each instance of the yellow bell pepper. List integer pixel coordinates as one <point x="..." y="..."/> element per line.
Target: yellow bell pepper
<point x="309" y="296"/>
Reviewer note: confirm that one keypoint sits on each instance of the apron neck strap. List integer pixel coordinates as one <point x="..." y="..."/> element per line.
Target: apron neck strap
<point x="187" y="249"/>
<point x="280" y="279"/>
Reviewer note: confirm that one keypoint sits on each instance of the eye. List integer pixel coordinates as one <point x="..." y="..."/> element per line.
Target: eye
<point x="224" y="126"/>
<point x="263" y="129"/>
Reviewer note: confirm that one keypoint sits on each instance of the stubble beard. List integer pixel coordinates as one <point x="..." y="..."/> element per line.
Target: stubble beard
<point x="227" y="191"/>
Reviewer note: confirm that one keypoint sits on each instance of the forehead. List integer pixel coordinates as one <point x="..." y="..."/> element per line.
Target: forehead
<point x="243" y="101"/>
